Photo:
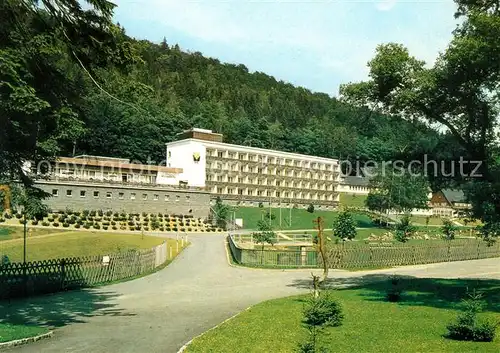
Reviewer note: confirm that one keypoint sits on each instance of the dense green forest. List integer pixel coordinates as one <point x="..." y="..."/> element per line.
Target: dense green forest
<point x="137" y="95"/>
<point x="72" y="81"/>
<point x="173" y="90"/>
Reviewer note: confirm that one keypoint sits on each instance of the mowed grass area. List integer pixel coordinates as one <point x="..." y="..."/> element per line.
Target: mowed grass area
<point x="352" y="200"/>
<point x="433" y="221"/>
<point x="300" y="218"/>
<point x="10" y="232"/>
<point x="361" y="234"/>
<point x="10" y="332"/>
<point x="78" y="243"/>
<point x="371" y="324"/>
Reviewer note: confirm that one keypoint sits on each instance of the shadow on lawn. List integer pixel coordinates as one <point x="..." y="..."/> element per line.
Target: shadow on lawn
<point x="60" y="309"/>
<point x="432" y="292"/>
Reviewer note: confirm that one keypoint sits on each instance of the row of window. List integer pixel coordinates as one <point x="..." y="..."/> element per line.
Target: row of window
<point x="259" y="170"/>
<point x="91" y="174"/>
<point x="360" y="188"/>
<point x="296" y="184"/>
<point x="269" y="193"/>
<point x="121" y="195"/>
<point x="268" y="159"/>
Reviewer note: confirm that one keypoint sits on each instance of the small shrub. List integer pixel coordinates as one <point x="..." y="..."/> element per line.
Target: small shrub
<point x="395" y="290"/>
<point x="131" y="228"/>
<point x="77" y="226"/>
<point x="175" y="229"/>
<point x="105" y="223"/>
<point x="109" y="213"/>
<point x="7" y="216"/>
<point x="162" y="229"/>
<point x="5" y="260"/>
<point x="323" y="311"/>
<point x="183" y="229"/>
<point x="146" y="228"/>
<point x="35" y="222"/>
<point x="190" y="229"/>
<point x="131" y="223"/>
<point x="2" y="220"/>
<point x="137" y="227"/>
<point x="114" y="228"/>
<point x="50" y="219"/>
<point x="105" y="227"/>
<point x="45" y="224"/>
<point x="22" y="221"/>
<point x="55" y="224"/>
<point x="86" y="226"/>
<point x="113" y="223"/>
<point x="18" y="215"/>
<point x="467" y="327"/>
<point x="65" y="225"/>
<point x="98" y="219"/>
<point x="92" y="213"/>
<point x="144" y="214"/>
<point x="96" y="226"/>
<point x="310" y="208"/>
<point x="100" y="213"/>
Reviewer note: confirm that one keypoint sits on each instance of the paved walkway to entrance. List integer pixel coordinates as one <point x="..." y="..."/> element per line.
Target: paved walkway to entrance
<point x="161" y="312"/>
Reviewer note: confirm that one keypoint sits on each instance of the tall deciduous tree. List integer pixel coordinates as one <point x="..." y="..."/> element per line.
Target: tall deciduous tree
<point x="460" y="92"/>
<point x="344" y="226"/>
<point x="45" y="53"/>
<point x="401" y="192"/>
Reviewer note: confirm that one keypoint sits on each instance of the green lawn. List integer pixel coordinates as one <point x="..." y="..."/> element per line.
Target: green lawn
<point x="10" y="332"/>
<point x="416" y="324"/>
<point x="435" y="221"/>
<point x="10" y="232"/>
<point x="300" y="218"/>
<point x="352" y="200"/>
<point x="77" y="243"/>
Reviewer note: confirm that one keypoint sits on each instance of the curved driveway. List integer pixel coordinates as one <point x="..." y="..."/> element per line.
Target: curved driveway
<point x="161" y="312"/>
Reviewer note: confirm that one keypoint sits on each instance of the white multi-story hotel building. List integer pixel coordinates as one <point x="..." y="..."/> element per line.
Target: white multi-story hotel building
<point x="250" y="175"/>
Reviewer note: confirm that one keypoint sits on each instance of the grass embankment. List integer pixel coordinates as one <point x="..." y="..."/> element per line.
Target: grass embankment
<point x="300" y="218"/>
<point x="352" y="200"/>
<point x="416" y="324"/>
<point x="10" y="332"/>
<point x="15" y="232"/>
<point x="77" y="244"/>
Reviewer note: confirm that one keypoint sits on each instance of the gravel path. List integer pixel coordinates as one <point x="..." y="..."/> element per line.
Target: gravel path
<point x="161" y="312"/>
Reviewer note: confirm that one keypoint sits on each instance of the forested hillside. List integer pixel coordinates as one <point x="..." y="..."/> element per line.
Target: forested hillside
<point x="174" y="90"/>
<point x="117" y="96"/>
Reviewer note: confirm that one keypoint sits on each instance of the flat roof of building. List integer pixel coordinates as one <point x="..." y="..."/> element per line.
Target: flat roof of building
<point x="118" y="164"/>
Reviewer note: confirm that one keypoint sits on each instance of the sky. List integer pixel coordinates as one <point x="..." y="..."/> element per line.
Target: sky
<point x="317" y="44"/>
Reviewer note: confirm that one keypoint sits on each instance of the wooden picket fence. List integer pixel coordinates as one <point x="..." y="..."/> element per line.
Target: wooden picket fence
<point x="359" y="255"/>
<point x="49" y="276"/>
<point x="350" y="256"/>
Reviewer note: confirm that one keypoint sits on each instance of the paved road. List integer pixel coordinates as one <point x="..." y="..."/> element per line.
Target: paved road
<point x="160" y="312"/>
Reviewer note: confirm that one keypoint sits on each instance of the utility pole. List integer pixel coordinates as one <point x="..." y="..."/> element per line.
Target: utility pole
<point x="24" y="237"/>
<point x="321" y="244"/>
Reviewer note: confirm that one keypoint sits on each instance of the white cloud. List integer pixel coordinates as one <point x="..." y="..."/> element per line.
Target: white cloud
<point x="338" y="37"/>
